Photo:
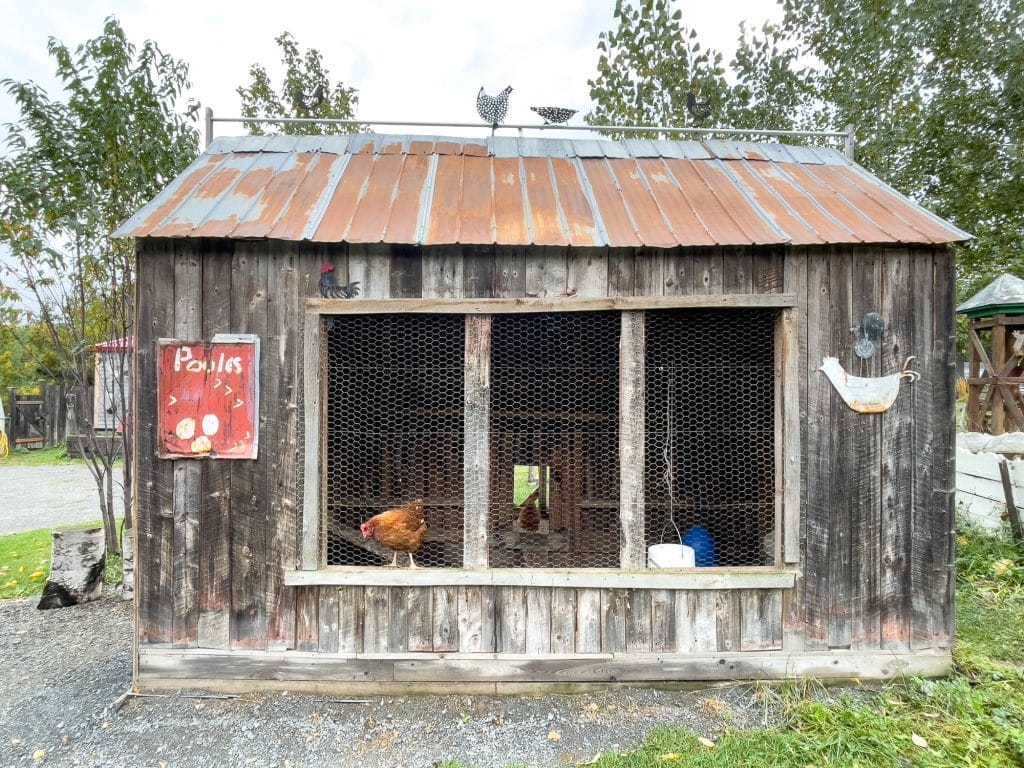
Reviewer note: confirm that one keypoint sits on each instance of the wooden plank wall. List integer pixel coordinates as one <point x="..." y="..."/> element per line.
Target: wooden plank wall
<point x="876" y="542"/>
<point x="877" y="536"/>
<point x="546" y="620"/>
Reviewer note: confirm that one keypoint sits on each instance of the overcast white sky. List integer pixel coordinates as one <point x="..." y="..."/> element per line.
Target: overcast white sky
<point x="419" y="61"/>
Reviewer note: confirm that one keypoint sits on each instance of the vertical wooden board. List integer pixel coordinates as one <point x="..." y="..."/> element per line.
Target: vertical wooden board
<point x="546" y="272"/>
<point x="489" y="619"/>
<point x="442" y="272"/>
<point x="678" y="272"/>
<point x="760" y="620"/>
<point x="932" y="425"/>
<point x="538" y="620"/>
<point x="621" y="271"/>
<point x="398" y="619"/>
<point x="632" y="546"/>
<point x="307" y="618"/>
<point x="707" y="271"/>
<point x="588" y="621"/>
<point x="865" y="461"/>
<point x="788" y="448"/>
<point x="421" y="609"/>
<point x="737" y="270"/>
<point x="470" y="619"/>
<point x="587" y="273"/>
<point x="563" y="620"/>
<point x="215" y="510"/>
<point x="613" y="620"/>
<point x="663" y="621"/>
<point x="313" y="459"/>
<point x="351" y="613"/>
<point x="370" y="265"/>
<point x="406" y="276"/>
<point x="511" y="619"/>
<point x="185" y="625"/>
<point x="375" y="621"/>
<point x="768" y="270"/>
<point x="188" y="281"/>
<point x="445" y="620"/>
<point x="510" y="272"/>
<point x="818" y="452"/>
<point x="154" y="514"/>
<point x="329" y="638"/>
<point x="279" y="360"/>
<point x="727" y="619"/>
<point x="696" y="621"/>
<point x="476" y="441"/>
<point x="843" y="477"/>
<point x="250" y="499"/>
<point x="638" y="621"/>
<point x="478" y="271"/>
<point x="649" y="272"/>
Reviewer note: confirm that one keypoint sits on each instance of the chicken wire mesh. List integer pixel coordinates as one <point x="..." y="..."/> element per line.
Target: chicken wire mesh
<point x="393" y="433"/>
<point x="554" y="490"/>
<point x="710" y="433"/>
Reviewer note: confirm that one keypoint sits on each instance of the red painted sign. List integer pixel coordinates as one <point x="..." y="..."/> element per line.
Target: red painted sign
<point x="208" y="395"/>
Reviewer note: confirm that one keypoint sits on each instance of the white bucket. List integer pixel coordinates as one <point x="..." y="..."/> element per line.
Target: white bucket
<point x="670" y="556"/>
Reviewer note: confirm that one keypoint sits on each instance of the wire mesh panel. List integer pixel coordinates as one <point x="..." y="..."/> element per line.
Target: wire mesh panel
<point x="393" y="438"/>
<point x="710" y="433"/>
<point x="554" y="490"/>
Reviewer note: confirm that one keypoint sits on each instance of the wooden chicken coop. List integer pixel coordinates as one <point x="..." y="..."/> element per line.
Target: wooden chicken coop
<point x="570" y="351"/>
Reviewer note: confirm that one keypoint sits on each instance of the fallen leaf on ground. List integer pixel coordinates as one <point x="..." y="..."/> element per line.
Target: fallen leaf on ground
<point x="920" y="741"/>
<point x="706" y="742"/>
<point x="554" y="736"/>
<point x="39" y="754"/>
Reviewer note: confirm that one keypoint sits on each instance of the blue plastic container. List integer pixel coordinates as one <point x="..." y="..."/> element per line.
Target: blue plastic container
<point x="703" y="545"/>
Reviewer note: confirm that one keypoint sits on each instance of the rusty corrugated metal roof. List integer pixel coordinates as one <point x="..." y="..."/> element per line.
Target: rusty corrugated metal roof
<point x="431" y="190"/>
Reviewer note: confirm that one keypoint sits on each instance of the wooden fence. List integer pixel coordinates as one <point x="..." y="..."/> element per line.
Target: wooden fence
<point x="40" y="419"/>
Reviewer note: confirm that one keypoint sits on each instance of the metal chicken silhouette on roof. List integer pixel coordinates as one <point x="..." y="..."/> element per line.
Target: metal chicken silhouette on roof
<point x="492" y="109"/>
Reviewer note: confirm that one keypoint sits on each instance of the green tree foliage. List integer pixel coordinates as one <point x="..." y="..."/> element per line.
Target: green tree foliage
<point x="647" y="65"/>
<point x="935" y="89"/>
<point x="306" y="92"/>
<point x="75" y="168"/>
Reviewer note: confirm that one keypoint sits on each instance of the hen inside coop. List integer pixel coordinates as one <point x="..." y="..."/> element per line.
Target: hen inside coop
<point x="393" y="432"/>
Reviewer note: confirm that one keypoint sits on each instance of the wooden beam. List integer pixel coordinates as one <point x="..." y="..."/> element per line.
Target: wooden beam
<point x="632" y="547"/>
<point x="459" y="306"/>
<point x="612" y="578"/>
<point x="1011" y="507"/>
<point x="448" y="673"/>
<point x="788" y="438"/>
<point x="311" y="382"/>
<point x="476" y="441"/>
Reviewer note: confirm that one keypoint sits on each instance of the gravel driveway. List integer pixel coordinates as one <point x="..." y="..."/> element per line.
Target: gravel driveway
<point x="46" y="496"/>
<point x="63" y="670"/>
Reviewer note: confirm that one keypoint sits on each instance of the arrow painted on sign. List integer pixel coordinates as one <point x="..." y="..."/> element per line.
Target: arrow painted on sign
<point x="239" y="403"/>
<point x="173" y="400"/>
<point x="228" y="390"/>
<point x="217" y="383"/>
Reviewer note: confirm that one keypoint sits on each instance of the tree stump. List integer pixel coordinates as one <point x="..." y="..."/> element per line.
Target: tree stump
<point x="77" y="566"/>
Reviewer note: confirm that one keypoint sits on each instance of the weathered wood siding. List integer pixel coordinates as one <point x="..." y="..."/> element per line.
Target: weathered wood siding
<point x="875" y="542"/>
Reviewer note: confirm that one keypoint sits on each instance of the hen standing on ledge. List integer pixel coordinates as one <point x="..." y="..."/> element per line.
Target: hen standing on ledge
<point x="401" y="529"/>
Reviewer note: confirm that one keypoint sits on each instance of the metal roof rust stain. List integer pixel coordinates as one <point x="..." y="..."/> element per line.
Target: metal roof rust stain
<point x="506" y="191"/>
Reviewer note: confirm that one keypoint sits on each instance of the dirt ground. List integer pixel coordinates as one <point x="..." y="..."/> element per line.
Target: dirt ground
<point x="47" y="496"/>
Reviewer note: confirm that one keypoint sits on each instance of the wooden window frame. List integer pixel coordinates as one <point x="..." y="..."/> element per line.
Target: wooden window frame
<point x="476" y="456"/>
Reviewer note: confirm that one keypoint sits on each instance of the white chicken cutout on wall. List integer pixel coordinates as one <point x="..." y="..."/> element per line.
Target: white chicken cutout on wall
<point x="866" y="394"/>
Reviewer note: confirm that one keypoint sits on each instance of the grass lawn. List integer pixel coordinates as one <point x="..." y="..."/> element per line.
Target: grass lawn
<point x="54" y="455"/>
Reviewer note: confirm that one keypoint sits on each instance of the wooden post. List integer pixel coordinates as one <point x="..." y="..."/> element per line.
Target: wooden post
<point x="1011" y="508"/>
<point x="631" y="441"/>
<point x="71" y="419"/>
<point x="848" y="146"/>
<point x="12" y="416"/>
<point x="209" y="127"/>
<point x="477" y="440"/>
<point x="312" y="381"/>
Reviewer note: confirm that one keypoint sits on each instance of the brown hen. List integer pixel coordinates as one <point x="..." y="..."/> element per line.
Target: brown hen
<point x="401" y="529"/>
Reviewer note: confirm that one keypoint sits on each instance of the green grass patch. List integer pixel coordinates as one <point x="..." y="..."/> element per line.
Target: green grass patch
<point x="56" y="455"/>
<point x="25" y="562"/>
